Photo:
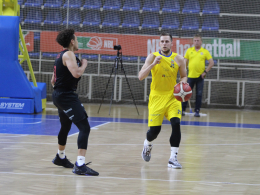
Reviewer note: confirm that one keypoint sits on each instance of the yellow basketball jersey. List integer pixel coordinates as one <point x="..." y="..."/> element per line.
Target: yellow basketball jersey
<point x="164" y="75"/>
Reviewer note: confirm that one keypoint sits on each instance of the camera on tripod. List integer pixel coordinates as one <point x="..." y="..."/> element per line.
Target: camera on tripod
<point x="117" y="47"/>
<point x="118" y="61"/>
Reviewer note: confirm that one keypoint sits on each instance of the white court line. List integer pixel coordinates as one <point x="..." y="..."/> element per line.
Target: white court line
<point x="146" y="123"/>
<point x="21" y="123"/>
<point x="245" y="144"/>
<point x="138" y="179"/>
<point x="13" y="135"/>
<point x="91" y="128"/>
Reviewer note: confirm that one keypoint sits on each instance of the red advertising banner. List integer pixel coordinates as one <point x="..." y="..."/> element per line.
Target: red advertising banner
<point x="102" y="43"/>
<point x="28" y="38"/>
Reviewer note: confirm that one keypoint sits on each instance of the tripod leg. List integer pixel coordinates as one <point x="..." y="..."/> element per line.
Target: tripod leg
<point x="113" y="88"/>
<point x="106" y="89"/>
<point x="122" y="68"/>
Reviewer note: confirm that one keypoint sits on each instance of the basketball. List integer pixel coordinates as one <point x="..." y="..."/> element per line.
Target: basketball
<point x="182" y="92"/>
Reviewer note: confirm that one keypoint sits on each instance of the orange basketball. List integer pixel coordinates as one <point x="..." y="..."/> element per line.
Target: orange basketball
<point x="182" y="92"/>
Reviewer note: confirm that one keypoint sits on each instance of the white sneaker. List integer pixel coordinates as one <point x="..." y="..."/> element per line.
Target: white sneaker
<point x="173" y="163"/>
<point x="146" y="153"/>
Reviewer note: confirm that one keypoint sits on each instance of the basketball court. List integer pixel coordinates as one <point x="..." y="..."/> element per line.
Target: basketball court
<point x="219" y="154"/>
<point x="219" y="151"/>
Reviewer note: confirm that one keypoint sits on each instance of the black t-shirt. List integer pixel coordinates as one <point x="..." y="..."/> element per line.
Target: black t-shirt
<point x="63" y="77"/>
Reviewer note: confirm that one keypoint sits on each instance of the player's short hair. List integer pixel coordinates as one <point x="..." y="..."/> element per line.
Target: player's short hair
<point x="166" y="34"/>
<point x="197" y="35"/>
<point x="64" y="37"/>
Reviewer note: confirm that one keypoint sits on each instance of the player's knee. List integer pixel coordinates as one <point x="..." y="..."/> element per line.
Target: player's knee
<point x="175" y="122"/>
<point x="83" y="126"/>
<point x="153" y="132"/>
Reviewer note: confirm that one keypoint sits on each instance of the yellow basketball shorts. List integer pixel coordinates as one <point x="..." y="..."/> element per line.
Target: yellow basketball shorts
<point x="163" y="105"/>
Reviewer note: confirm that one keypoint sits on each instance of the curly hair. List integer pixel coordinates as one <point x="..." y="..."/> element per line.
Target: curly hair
<point x="64" y="37"/>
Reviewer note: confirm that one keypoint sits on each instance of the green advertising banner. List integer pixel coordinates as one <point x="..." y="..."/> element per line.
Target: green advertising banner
<point x="235" y="49"/>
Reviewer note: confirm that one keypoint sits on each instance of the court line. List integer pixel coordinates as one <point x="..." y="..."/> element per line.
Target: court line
<point x="91" y="128"/>
<point x="21" y="123"/>
<point x="184" y="123"/>
<point x="245" y="144"/>
<point x="139" y="179"/>
<point x="14" y="135"/>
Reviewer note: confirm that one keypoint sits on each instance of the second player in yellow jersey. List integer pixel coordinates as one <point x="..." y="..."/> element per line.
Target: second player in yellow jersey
<point x="164" y="66"/>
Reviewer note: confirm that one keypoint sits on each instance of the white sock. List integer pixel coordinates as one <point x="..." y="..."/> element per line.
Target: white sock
<point x="61" y="153"/>
<point x="174" y="153"/>
<point x="80" y="160"/>
<point x="146" y="142"/>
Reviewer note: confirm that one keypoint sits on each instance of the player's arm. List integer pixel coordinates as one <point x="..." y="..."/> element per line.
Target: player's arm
<point x="181" y="62"/>
<point x="69" y="60"/>
<point x="186" y="62"/>
<point x="52" y="80"/>
<point x="150" y="62"/>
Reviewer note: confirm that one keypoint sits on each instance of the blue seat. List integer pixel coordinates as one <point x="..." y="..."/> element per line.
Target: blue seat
<point x="37" y="36"/>
<point x="53" y="3"/>
<point x="92" y="18"/>
<point x="53" y="17"/>
<point x="34" y="54"/>
<point x="142" y="59"/>
<point x="33" y="3"/>
<point x="21" y="16"/>
<point x="211" y="7"/>
<point x="210" y="23"/>
<point x="190" y="22"/>
<point x="74" y="18"/>
<point x="112" y="19"/>
<point x="131" y="22"/>
<point x="133" y="5"/>
<point x="171" y="6"/>
<point x="33" y="17"/>
<point x="90" y="4"/>
<point x="151" y="6"/>
<point x="49" y="55"/>
<point x="89" y="57"/>
<point x="129" y="58"/>
<point x="170" y="22"/>
<point x="112" y="5"/>
<point x="20" y="2"/>
<point x="73" y="4"/>
<point x="108" y="58"/>
<point x="191" y="7"/>
<point x="151" y="20"/>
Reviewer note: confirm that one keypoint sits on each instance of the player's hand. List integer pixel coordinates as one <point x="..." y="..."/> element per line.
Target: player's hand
<point x="157" y="60"/>
<point x="84" y="62"/>
<point x="182" y="83"/>
<point x="203" y="75"/>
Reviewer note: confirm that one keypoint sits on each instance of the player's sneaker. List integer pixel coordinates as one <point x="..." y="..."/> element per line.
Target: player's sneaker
<point x="62" y="162"/>
<point x="84" y="170"/>
<point x="183" y="113"/>
<point x="173" y="163"/>
<point x="146" y="153"/>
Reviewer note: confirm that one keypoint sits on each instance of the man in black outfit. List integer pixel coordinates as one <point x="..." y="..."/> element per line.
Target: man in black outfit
<point x="66" y="75"/>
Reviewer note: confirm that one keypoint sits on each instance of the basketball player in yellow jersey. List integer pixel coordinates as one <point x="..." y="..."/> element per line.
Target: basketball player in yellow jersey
<point x="164" y="66"/>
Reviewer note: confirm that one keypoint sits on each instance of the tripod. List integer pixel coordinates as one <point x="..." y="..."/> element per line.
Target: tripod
<point x="114" y="69"/>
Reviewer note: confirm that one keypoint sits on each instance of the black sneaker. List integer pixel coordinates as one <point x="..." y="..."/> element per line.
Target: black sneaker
<point x="183" y="113"/>
<point x="84" y="170"/>
<point x="197" y="114"/>
<point x="62" y="162"/>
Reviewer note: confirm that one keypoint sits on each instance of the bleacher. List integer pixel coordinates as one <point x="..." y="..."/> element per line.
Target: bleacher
<point x="150" y="16"/>
<point x="212" y="18"/>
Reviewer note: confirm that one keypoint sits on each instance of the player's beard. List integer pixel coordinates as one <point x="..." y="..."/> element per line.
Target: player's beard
<point x="166" y="51"/>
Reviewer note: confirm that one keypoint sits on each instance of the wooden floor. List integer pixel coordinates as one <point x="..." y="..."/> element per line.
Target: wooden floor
<point x="217" y="157"/>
